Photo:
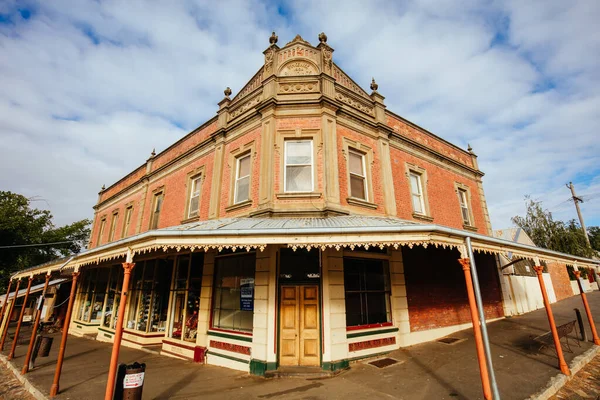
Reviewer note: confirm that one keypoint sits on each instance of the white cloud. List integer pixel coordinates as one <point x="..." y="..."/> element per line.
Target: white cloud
<point x="89" y="88"/>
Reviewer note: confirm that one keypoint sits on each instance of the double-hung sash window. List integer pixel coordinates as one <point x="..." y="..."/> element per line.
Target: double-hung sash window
<point x="416" y="192"/>
<point x="358" y="176"/>
<point x="101" y="231"/>
<point x="127" y="221"/>
<point x="463" y="200"/>
<point x="194" y="196"/>
<point x="242" y="179"/>
<point x="298" y="172"/>
<point x="113" y="227"/>
<point x="158" y="201"/>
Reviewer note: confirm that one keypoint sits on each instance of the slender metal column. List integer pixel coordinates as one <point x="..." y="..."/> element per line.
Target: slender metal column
<point x="114" y="358"/>
<point x="587" y="310"/>
<point x="38" y="315"/>
<point x="10" y="310"/>
<point x="5" y="300"/>
<point x="564" y="368"/>
<point x="63" y="342"/>
<point x="484" y="332"/>
<point x="14" y="343"/>
<point x="483" y="371"/>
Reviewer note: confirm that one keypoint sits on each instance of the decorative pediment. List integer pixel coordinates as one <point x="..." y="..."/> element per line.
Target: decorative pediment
<point x="344" y="80"/>
<point x="254" y="83"/>
<point x="297" y="39"/>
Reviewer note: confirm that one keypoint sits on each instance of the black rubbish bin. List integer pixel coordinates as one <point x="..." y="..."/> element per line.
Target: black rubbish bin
<point x="45" y="346"/>
<point x="133" y="381"/>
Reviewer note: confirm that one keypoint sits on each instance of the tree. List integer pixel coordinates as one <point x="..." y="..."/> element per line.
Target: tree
<point x="594" y="235"/>
<point x="20" y="224"/>
<point x="550" y="234"/>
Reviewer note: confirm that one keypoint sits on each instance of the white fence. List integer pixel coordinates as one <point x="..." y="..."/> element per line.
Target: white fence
<point x="526" y="293"/>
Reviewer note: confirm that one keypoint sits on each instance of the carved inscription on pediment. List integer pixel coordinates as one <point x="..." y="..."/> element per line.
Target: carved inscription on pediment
<point x="296" y="68"/>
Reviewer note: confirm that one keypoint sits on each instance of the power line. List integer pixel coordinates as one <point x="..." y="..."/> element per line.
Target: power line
<point x="36" y="245"/>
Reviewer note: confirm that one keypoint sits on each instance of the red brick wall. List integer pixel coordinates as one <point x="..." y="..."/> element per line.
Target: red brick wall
<point x="128" y="180"/>
<point x="375" y="177"/>
<point x="108" y="212"/>
<point x="441" y="194"/>
<point x="175" y="194"/>
<point x="429" y="140"/>
<point x="560" y="280"/>
<point x="436" y="289"/>
<point x="229" y="173"/>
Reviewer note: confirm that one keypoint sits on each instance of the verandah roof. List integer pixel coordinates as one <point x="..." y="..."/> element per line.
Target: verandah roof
<point x="329" y="232"/>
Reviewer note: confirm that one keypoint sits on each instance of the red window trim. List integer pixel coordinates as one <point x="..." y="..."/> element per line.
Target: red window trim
<point x="370" y="326"/>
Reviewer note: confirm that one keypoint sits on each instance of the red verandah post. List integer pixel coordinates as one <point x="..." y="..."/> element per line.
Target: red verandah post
<point x="38" y="315"/>
<point x="564" y="368"/>
<point x="587" y="310"/>
<point x="10" y="310"/>
<point x="5" y="299"/>
<point x="14" y="343"/>
<point x="63" y="342"/>
<point x="485" y="378"/>
<point x="114" y="358"/>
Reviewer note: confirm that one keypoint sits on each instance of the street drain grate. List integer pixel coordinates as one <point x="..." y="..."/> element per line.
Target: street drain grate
<point x="383" y="362"/>
<point x="449" y="340"/>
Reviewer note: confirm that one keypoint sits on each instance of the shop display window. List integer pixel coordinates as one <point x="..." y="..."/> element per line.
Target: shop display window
<point x="149" y="295"/>
<point x="233" y="294"/>
<point x="187" y="284"/>
<point x="113" y="294"/>
<point x="93" y="292"/>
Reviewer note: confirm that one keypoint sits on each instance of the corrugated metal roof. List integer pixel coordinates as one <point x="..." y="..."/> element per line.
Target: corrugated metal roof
<point x="34" y="289"/>
<point x="340" y="222"/>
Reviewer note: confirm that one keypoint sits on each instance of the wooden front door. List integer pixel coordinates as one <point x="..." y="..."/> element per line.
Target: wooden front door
<point x="299" y="342"/>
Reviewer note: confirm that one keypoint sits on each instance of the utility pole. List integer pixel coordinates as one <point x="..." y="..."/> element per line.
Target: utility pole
<point x="578" y="200"/>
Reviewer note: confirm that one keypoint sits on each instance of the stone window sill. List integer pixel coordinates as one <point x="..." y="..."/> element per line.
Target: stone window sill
<point x="191" y="219"/>
<point x="299" y="195"/>
<point x="237" y="206"/>
<point x="470" y="228"/>
<point x="361" y="203"/>
<point x="422" y="217"/>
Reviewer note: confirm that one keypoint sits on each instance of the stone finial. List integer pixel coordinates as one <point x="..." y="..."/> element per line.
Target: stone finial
<point x="227" y="92"/>
<point x="469" y="148"/>
<point x="374" y="85"/>
<point x="322" y="37"/>
<point x="103" y="188"/>
<point x="273" y="39"/>
<point x="153" y="153"/>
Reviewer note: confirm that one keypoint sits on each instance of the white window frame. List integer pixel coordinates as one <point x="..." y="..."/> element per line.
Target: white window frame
<point x="237" y="177"/>
<point x="195" y="191"/>
<point x="421" y="194"/>
<point x="312" y="166"/>
<point x="364" y="176"/>
<point x="464" y="204"/>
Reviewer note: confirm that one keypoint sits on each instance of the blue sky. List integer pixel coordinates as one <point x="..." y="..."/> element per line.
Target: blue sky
<point x="89" y="88"/>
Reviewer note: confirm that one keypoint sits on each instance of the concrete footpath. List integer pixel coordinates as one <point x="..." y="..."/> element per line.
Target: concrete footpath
<point x="428" y="371"/>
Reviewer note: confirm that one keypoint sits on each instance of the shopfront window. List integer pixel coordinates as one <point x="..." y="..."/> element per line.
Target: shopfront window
<point x="149" y="296"/>
<point x="92" y="295"/>
<point x="186" y="297"/>
<point x="367" y="289"/>
<point x="233" y="295"/>
<point x="115" y="280"/>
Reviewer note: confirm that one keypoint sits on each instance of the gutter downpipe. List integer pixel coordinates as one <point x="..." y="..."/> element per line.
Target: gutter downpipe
<point x="484" y="333"/>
